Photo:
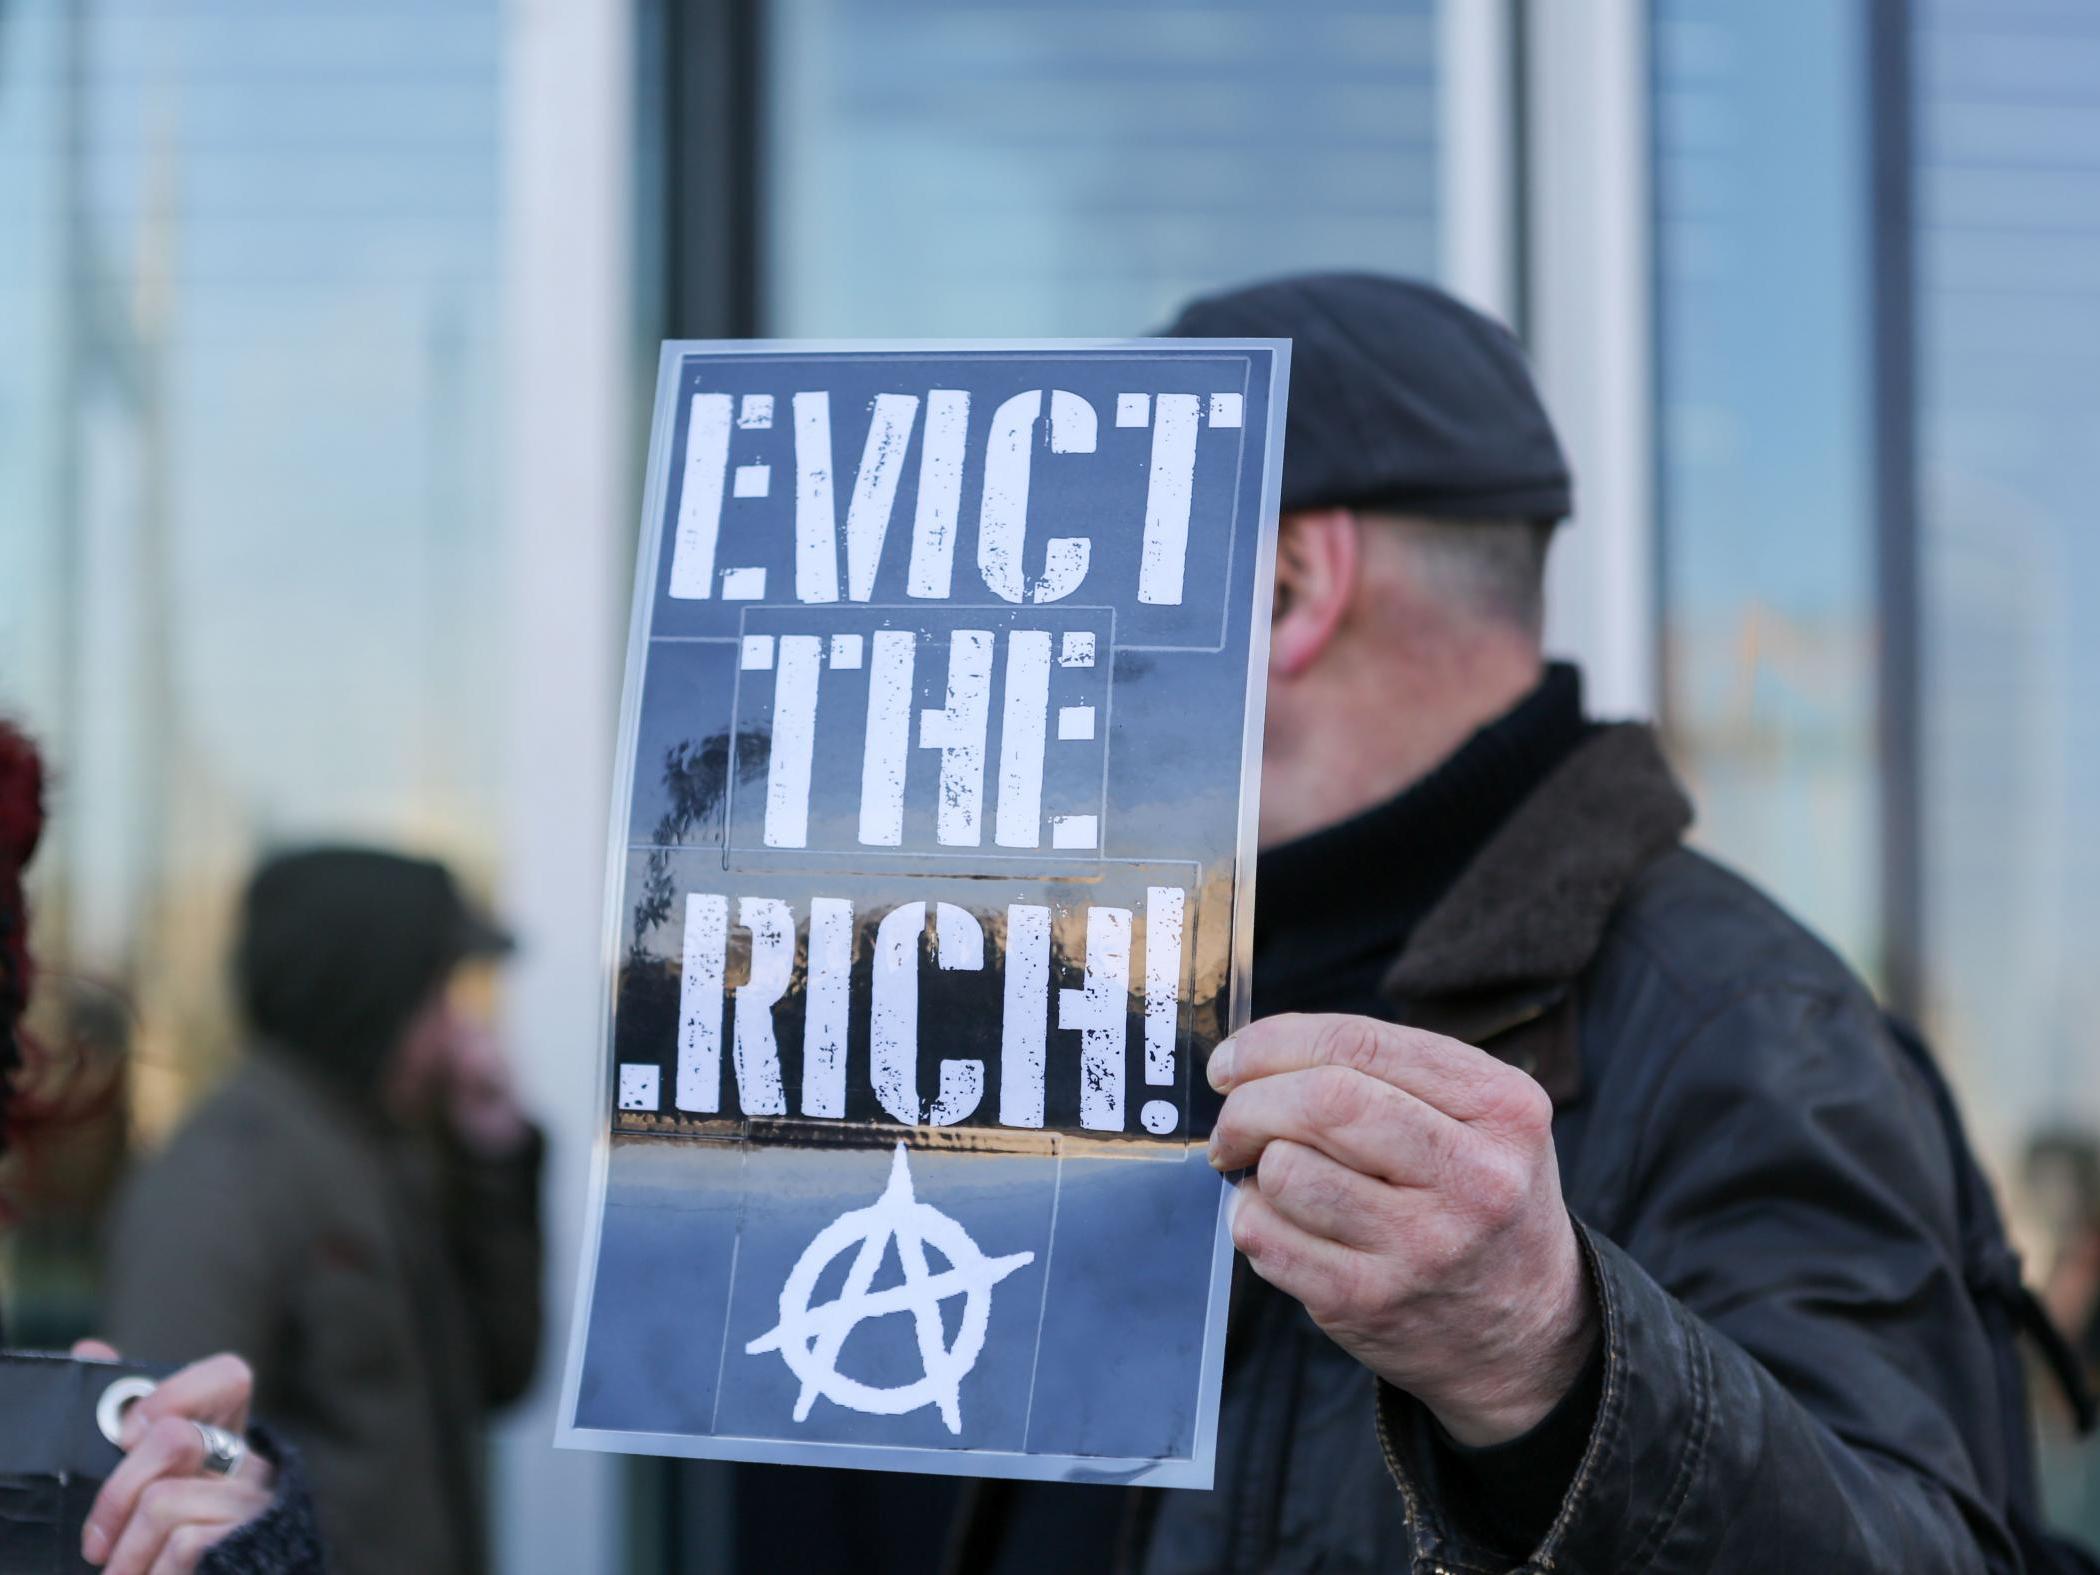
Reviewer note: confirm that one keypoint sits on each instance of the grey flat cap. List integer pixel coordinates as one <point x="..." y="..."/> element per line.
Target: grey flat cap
<point x="1401" y="398"/>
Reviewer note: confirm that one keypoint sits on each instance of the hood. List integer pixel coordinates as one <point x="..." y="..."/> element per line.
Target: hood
<point x="340" y="947"/>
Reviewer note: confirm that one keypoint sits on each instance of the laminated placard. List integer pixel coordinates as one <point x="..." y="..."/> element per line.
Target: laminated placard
<point x="930" y="891"/>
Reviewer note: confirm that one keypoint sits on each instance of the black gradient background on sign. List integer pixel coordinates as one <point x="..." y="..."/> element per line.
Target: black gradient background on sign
<point x="1171" y="724"/>
<point x="1094" y="1366"/>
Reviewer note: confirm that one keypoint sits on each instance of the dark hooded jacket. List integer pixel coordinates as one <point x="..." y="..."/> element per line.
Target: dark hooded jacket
<point x="383" y="1282"/>
<point x="1792" y="1375"/>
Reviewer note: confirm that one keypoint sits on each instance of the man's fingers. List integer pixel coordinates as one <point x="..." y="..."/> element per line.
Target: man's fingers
<point x="1355" y="1119"/>
<point x="171" y="1447"/>
<point x="1462" y="1082"/>
<point x="94" y="1351"/>
<point x="215" y="1390"/>
<point x="1323" y="1275"/>
<point x="1326" y="1199"/>
<point x="175" y="1506"/>
<point x="186" y="1546"/>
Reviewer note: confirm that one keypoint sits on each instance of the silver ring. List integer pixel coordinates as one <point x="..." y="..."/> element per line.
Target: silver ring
<point x="223" y="1451"/>
<point x="118" y="1398"/>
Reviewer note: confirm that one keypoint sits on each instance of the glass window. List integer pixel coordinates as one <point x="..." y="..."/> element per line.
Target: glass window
<point x="247" y="391"/>
<point x="1763" y="298"/>
<point x="954" y="167"/>
<point x="1764" y="445"/>
<point x="2007" y="116"/>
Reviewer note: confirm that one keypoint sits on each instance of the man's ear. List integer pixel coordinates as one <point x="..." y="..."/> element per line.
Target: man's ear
<point x="1316" y="569"/>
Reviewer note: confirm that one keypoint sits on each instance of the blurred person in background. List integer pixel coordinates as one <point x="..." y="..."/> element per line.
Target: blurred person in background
<point x="2061" y="1172"/>
<point x="197" y="1490"/>
<point x="1670" y="1275"/>
<point x="356" y="1208"/>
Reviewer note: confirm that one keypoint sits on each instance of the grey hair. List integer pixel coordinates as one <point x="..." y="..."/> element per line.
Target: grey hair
<point x="1493" y="568"/>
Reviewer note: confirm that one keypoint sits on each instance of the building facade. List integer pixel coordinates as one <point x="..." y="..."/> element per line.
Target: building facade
<point x="324" y="354"/>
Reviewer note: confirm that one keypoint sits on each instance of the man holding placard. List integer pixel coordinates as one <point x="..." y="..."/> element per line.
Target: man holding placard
<point x="1666" y="1275"/>
<point x="1636" y="1247"/>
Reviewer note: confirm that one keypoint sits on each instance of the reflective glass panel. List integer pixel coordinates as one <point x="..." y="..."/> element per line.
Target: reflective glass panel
<point x="247" y="385"/>
<point x="950" y="167"/>
<point x="1765" y="459"/>
<point x="2008" y="257"/>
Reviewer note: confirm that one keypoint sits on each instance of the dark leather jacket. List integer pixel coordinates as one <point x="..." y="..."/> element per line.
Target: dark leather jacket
<point x="1795" y="1379"/>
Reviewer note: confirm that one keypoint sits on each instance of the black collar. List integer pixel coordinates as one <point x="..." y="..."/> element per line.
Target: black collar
<point x="1334" y="909"/>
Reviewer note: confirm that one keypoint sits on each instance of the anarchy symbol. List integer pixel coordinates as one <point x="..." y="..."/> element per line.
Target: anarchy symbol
<point x="808" y="1338"/>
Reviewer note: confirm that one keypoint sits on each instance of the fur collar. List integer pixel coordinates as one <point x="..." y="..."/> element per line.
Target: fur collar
<point x="1531" y="908"/>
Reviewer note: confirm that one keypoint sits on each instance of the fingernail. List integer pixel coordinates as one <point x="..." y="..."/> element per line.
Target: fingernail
<point x="94" y="1544"/>
<point x="1211" y="1152"/>
<point x="1219" y="1071"/>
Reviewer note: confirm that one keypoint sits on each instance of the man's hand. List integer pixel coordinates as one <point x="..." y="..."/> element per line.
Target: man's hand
<point x="1405" y="1190"/>
<point x="160" y="1512"/>
<point x="481" y="1100"/>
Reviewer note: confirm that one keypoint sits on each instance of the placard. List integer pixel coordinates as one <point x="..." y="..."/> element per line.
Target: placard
<point x="930" y="890"/>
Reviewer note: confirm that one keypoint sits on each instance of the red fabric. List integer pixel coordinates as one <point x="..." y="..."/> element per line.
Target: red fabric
<point x="21" y="797"/>
<point x="21" y="824"/>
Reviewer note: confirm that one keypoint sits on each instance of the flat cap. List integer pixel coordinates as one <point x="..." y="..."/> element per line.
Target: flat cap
<point x="1401" y="398"/>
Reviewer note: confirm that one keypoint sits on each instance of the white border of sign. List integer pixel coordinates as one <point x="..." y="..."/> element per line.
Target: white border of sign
<point x="1193" y="1472"/>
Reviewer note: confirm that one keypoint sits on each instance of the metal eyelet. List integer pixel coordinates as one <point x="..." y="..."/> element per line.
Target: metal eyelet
<point x="118" y="1398"/>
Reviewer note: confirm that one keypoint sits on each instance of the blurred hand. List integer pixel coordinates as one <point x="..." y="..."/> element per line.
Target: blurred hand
<point x="2071" y="1290"/>
<point x="1406" y="1191"/>
<point x="481" y="1100"/>
<point x="160" y="1511"/>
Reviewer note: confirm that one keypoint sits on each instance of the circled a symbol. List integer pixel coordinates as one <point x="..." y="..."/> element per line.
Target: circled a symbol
<point x="809" y="1338"/>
